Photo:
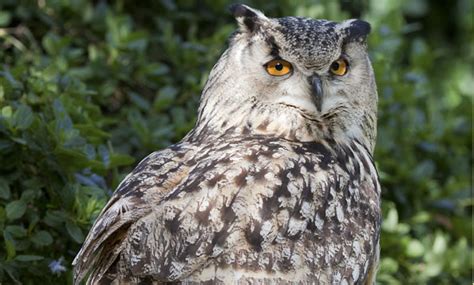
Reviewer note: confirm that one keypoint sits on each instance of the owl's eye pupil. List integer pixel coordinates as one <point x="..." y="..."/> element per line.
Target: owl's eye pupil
<point x="279" y="66"/>
<point x="339" y="67"/>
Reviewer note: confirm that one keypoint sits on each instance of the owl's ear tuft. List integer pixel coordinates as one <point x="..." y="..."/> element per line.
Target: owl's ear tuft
<point x="355" y="30"/>
<point x="249" y="19"/>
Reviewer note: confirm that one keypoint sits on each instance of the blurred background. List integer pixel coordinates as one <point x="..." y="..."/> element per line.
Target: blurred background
<point x="88" y="88"/>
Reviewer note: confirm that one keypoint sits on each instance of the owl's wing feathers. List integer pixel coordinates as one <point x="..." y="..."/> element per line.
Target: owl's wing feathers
<point x="154" y="176"/>
<point x="192" y="223"/>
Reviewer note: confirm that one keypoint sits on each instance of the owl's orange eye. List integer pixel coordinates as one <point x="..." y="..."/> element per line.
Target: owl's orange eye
<point x="339" y="67"/>
<point x="278" y="67"/>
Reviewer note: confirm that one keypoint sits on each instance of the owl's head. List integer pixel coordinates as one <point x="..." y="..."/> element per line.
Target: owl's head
<point x="297" y="78"/>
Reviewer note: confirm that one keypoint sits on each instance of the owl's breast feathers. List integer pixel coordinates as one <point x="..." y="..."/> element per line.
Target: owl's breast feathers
<point x="259" y="210"/>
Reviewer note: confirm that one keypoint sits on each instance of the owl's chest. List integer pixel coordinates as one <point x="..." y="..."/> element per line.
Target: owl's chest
<point x="308" y="213"/>
<point x="288" y="212"/>
<point x="304" y="223"/>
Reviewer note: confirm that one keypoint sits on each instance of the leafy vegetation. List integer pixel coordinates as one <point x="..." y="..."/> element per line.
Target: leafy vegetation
<point x="88" y="88"/>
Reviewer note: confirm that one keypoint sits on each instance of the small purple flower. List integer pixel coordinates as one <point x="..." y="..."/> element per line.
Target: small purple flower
<point x="56" y="266"/>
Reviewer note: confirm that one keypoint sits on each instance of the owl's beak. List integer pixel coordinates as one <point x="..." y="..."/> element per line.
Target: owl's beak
<point x="317" y="91"/>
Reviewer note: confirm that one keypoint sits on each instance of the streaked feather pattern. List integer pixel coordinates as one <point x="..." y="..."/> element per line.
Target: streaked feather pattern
<point x="247" y="204"/>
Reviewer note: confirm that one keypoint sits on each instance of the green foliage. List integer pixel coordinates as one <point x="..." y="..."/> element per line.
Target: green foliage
<point x="88" y="88"/>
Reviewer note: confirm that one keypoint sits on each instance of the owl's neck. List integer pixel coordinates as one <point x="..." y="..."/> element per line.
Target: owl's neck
<point x="254" y="118"/>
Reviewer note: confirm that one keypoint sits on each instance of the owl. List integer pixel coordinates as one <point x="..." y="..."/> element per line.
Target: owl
<point x="275" y="184"/>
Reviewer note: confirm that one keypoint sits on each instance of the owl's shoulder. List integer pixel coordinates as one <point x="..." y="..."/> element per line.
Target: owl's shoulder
<point x="139" y="191"/>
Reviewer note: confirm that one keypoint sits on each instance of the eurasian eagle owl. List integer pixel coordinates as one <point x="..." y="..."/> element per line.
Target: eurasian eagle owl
<point x="275" y="184"/>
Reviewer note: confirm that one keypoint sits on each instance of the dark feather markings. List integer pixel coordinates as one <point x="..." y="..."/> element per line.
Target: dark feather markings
<point x="253" y="237"/>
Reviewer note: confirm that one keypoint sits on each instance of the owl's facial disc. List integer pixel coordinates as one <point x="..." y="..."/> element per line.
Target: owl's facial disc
<point x="296" y="70"/>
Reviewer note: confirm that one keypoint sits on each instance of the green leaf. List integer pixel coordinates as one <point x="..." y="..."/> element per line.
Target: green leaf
<point x="5" y="18"/>
<point x="42" y="238"/>
<point x="28" y="196"/>
<point x="75" y="159"/>
<point x="4" y="189"/>
<point x="26" y="258"/>
<point x="389" y="265"/>
<point x="16" y="231"/>
<point x="63" y="121"/>
<point x="117" y="159"/>
<point x="7" y="112"/>
<point x="139" y="101"/>
<point x="54" y="218"/>
<point x="15" y="209"/>
<point x="415" y="248"/>
<point x="9" y="245"/>
<point x="50" y="43"/>
<point x="166" y="97"/>
<point x="3" y="215"/>
<point x="155" y="69"/>
<point x="93" y="133"/>
<point x="19" y="140"/>
<point x="439" y="244"/>
<point x="104" y="154"/>
<point x="391" y="220"/>
<point x="2" y="94"/>
<point x="75" y="232"/>
<point x="23" y="117"/>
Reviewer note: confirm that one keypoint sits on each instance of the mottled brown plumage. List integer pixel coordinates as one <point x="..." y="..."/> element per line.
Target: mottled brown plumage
<point x="274" y="185"/>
